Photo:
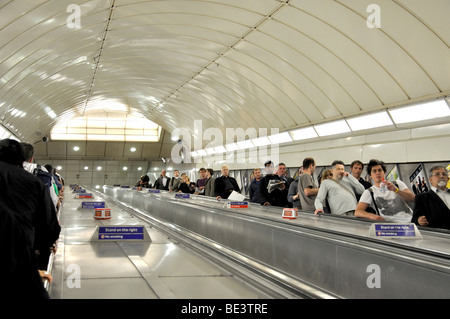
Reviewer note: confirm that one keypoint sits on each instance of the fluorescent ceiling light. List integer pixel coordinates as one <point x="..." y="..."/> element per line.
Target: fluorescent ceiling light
<point x="261" y="141"/>
<point x="220" y="149"/>
<point x="194" y="154"/>
<point x="210" y="151"/>
<point x="303" y="133"/>
<point x="137" y="138"/>
<point x="108" y="126"/>
<point x="104" y="137"/>
<point x="232" y="147"/>
<point x="201" y="153"/>
<point x="68" y="137"/>
<point x="245" y="144"/>
<point x="420" y="112"/>
<point x="332" y="128"/>
<point x="76" y="148"/>
<point x="280" y="138"/>
<point x="133" y="149"/>
<point x="369" y="121"/>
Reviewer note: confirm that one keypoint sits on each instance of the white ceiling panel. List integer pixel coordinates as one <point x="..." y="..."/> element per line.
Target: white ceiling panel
<point x="397" y="48"/>
<point x="227" y="63"/>
<point x="326" y="22"/>
<point x="434" y="17"/>
<point x="271" y="48"/>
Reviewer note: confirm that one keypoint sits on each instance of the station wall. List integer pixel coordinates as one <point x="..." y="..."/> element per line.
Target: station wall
<point x="413" y="145"/>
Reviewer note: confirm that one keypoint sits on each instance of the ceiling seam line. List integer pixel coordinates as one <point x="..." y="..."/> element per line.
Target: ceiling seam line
<point x="286" y="95"/>
<point x="336" y="56"/>
<point x="396" y="43"/>
<point x="313" y="62"/>
<point x="261" y="88"/>
<point x="431" y="30"/>
<point x="294" y="84"/>
<point x="24" y="14"/>
<point x="421" y="21"/>
<point x="97" y="58"/>
<point x="356" y="44"/>
<point x="236" y="93"/>
<point x="241" y="38"/>
<point x="401" y="47"/>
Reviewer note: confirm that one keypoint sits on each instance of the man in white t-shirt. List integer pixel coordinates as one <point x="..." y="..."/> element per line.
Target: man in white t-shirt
<point x="387" y="200"/>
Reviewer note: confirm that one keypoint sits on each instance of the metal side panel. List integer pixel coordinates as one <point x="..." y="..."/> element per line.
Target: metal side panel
<point x="346" y="266"/>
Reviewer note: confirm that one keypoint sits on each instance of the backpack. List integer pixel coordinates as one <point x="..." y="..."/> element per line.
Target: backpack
<point x="44" y="176"/>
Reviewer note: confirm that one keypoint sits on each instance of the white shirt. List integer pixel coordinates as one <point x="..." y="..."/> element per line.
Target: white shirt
<point x="444" y="195"/>
<point x="390" y="205"/>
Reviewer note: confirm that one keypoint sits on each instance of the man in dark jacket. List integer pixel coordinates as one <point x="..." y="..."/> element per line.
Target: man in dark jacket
<point x="253" y="189"/>
<point x="225" y="185"/>
<point x="273" y="189"/>
<point x="163" y="181"/>
<point x="33" y="225"/>
<point x="432" y="208"/>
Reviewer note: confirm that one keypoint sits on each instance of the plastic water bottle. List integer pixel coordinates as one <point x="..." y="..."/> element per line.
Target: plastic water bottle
<point x="383" y="186"/>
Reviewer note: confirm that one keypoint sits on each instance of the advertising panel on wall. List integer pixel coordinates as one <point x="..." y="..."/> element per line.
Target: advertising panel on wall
<point x="448" y="171"/>
<point x="393" y="174"/>
<point x="418" y="180"/>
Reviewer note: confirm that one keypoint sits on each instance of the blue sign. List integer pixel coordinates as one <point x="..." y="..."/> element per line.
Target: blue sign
<point x="237" y="204"/>
<point x="125" y="186"/>
<point x="182" y="195"/>
<point x="155" y="191"/>
<point x="92" y="205"/>
<point x="79" y="190"/>
<point x="121" y="233"/>
<point x="395" y="230"/>
<point x="81" y="195"/>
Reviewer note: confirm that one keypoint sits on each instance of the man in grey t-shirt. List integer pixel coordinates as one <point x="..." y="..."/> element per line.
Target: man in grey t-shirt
<point x="307" y="188"/>
<point x="340" y="192"/>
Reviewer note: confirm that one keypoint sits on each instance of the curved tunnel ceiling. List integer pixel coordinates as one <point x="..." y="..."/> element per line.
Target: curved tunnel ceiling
<point x="228" y="63"/>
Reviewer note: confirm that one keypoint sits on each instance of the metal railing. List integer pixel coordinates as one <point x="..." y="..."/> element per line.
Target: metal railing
<point x="51" y="258"/>
<point x="312" y="250"/>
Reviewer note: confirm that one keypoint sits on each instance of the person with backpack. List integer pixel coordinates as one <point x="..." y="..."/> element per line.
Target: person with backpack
<point x="55" y="183"/>
<point x="387" y="200"/>
<point x="40" y="172"/>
